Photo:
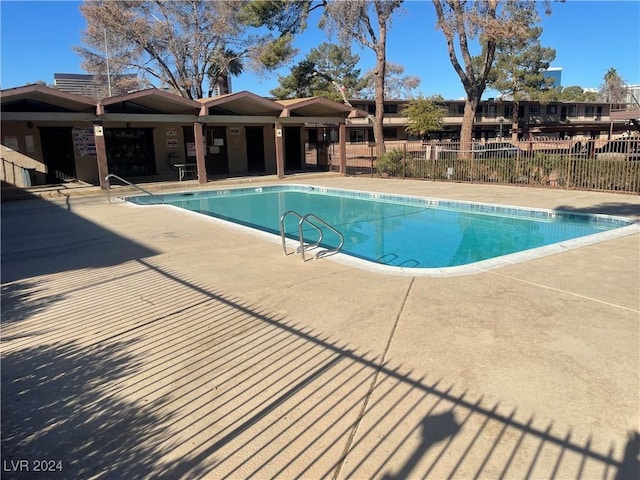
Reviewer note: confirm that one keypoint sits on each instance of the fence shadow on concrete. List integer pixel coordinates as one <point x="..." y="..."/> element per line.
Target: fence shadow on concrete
<point x="134" y="370"/>
<point x="55" y="407"/>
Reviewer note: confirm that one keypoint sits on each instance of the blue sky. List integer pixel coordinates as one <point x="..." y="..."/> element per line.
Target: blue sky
<point x="590" y="37"/>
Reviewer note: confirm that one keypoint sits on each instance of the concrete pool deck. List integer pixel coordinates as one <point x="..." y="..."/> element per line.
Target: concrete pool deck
<point x="140" y="342"/>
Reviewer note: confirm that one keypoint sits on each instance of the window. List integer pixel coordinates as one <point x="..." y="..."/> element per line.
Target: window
<point x="552" y="109"/>
<point x="492" y="111"/>
<point x="130" y="151"/>
<point x="371" y="108"/>
<point x="534" y="109"/>
<point x="589" y="111"/>
<point x="390" y="132"/>
<point x="391" y="108"/>
<point x="356" y="135"/>
<point x="508" y="111"/>
<point x="460" y="109"/>
<point x="568" y="111"/>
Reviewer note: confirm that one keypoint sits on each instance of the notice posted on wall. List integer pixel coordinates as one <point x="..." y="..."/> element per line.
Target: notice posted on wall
<point x="11" y="142"/>
<point x="29" y="143"/>
<point x="84" y="141"/>
<point x="191" y="149"/>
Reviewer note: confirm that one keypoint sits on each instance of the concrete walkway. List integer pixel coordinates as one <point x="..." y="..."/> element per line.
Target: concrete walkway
<point x="139" y="342"/>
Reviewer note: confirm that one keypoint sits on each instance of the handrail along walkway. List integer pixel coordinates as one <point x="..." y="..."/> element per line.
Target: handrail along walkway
<point x="307" y="219"/>
<point x="112" y="175"/>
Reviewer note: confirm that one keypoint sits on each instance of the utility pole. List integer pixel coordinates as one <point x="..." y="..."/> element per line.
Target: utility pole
<point x="106" y="53"/>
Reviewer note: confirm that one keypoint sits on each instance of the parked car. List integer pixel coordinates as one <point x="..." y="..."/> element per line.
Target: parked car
<point x="496" y="150"/>
<point x="627" y="148"/>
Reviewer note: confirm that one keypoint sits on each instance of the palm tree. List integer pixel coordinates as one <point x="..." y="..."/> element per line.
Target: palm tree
<point x="223" y="64"/>
<point x="613" y="90"/>
<point x="611" y="75"/>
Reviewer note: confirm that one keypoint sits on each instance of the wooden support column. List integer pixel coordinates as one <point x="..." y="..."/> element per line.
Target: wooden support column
<point x="279" y="132"/>
<point x="200" y="153"/>
<point x="342" y="136"/>
<point x="101" y="147"/>
<point x="101" y="155"/>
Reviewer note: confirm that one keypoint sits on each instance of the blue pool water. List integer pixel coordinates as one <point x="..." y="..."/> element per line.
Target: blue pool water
<point x="395" y="230"/>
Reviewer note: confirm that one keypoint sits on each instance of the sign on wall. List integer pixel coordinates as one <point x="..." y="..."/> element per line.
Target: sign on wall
<point x="191" y="149"/>
<point x="84" y="140"/>
<point x="29" y="143"/>
<point x="11" y="142"/>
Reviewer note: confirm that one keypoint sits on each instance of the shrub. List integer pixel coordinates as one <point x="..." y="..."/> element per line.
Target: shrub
<point x="391" y="163"/>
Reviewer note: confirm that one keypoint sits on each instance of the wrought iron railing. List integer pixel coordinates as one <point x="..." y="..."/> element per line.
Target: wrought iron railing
<point x="600" y="165"/>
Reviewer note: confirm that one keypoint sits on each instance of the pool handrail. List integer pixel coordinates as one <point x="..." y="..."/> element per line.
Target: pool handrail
<point x="328" y="251"/>
<point x="306" y="219"/>
<point x="113" y="175"/>
<point x="283" y="233"/>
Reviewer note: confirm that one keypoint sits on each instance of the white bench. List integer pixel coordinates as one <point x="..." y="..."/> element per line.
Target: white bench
<point x="186" y="169"/>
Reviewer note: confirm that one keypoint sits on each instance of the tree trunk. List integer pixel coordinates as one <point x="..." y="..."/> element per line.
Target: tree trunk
<point x="381" y="66"/>
<point x="378" y="133"/>
<point x="466" y="131"/>
<point x="514" y="121"/>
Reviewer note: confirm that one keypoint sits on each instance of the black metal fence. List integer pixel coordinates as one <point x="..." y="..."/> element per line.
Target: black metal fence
<point x="599" y="165"/>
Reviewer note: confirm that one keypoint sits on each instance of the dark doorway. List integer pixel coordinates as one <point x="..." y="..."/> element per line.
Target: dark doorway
<point x="318" y="154"/>
<point x="189" y="144"/>
<point x="57" y="153"/>
<point x="130" y="151"/>
<point x="215" y="157"/>
<point x="215" y="145"/>
<point x="292" y="148"/>
<point x="255" y="149"/>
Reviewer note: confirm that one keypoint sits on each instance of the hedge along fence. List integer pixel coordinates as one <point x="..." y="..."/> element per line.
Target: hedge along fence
<point x="559" y="167"/>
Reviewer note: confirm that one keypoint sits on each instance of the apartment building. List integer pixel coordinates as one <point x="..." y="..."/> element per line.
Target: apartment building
<point x="62" y="136"/>
<point x="494" y="119"/>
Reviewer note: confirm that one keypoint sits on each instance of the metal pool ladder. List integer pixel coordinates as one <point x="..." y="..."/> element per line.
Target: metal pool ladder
<point x="303" y="247"/>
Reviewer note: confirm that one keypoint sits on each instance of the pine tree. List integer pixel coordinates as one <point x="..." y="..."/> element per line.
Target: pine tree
<point x="323" y="70"/>
<point x="520" y="64"/>
<point x="487" y="22"/>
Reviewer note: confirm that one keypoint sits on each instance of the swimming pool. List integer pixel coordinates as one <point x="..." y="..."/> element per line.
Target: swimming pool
<point x="403" y="234"/>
